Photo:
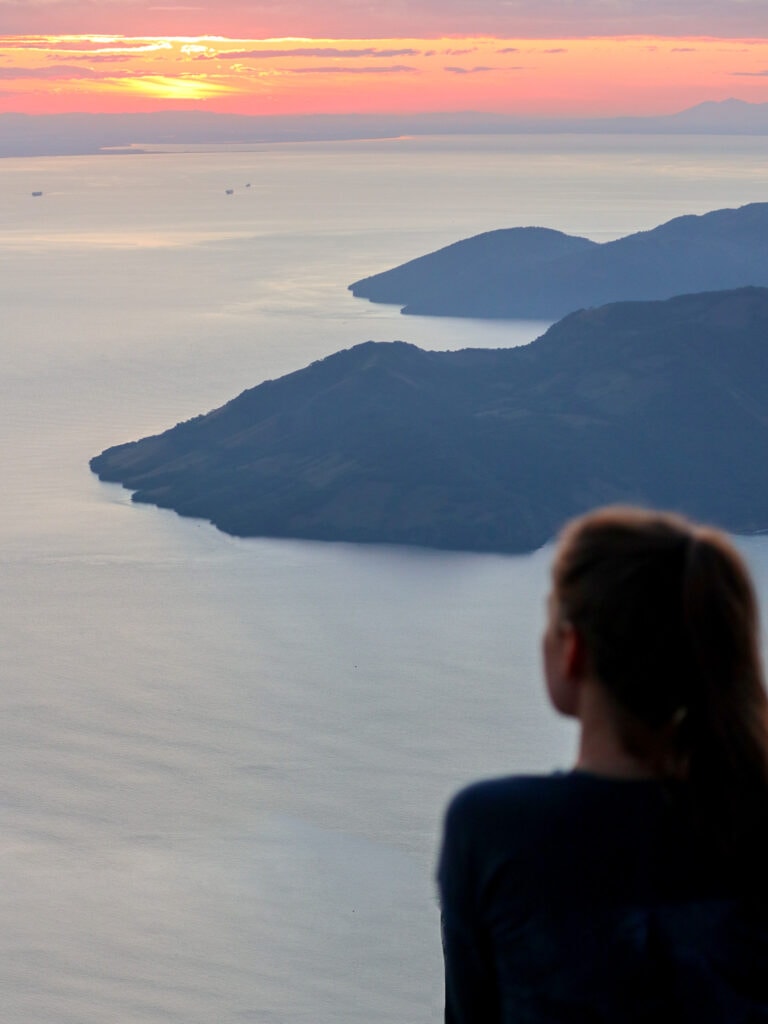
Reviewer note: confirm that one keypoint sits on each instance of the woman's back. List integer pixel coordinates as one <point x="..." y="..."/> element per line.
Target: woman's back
<point x="579" y="898"/>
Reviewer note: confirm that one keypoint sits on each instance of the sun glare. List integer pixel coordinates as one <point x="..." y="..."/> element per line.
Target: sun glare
<point x="163" y="88"/>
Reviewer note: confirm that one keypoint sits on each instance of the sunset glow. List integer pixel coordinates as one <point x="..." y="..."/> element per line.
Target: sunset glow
<point x="297" y="75"/>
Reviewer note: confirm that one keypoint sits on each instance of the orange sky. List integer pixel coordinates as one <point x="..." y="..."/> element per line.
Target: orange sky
<point x="592" y="76"/>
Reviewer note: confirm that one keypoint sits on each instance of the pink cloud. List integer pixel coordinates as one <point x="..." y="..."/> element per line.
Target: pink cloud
<point x="472" y="71"/>
<point x="309" y="51"/>
<point x="351" y="70"/>
<point x="54" y="71"/>
<point x="83" y="45"/>
<point x="100" y="58"/>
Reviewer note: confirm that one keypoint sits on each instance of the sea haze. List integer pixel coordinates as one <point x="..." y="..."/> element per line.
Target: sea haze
<point x="224" y="762"/>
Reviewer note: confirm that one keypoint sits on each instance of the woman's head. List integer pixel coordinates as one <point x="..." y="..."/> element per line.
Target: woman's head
<point x="666" y="613"/>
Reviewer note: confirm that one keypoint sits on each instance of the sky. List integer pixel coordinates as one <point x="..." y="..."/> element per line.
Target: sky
<point x="523" y="57"/>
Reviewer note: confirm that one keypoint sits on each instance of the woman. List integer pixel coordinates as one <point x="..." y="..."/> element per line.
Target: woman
<point x="633" y="888"/>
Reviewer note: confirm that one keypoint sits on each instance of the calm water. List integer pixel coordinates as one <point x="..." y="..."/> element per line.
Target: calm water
<point x="223" y="761"/>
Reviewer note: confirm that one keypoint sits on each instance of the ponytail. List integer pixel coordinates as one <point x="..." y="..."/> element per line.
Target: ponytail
<point x="725" y="727"/>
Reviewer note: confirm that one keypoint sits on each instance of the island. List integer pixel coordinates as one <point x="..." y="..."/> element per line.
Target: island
<point x="540" y="274"/>
<point x="662" y="403"/>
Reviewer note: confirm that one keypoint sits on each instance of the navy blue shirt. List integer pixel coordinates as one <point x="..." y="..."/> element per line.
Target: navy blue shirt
<point x="578" y="899"/>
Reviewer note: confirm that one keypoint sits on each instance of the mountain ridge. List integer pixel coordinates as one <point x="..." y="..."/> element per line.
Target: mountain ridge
<point x="662" y="403"/>
<point x="500" y="274"/>
<point x="76" y="133"/>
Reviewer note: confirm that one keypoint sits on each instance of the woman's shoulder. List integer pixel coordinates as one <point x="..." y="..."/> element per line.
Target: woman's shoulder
<point x="489" y="796"/>
<point x="523" y="823"/>
<point x="524" y="817"/>
<point x="566" y="793"/>
<point x="495" y="812"/>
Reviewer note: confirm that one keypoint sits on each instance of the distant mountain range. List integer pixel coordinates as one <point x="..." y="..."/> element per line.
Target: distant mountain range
<point x="486" y="450"/>
<point x="542" y="274"/>
<point x="62" y="134"/>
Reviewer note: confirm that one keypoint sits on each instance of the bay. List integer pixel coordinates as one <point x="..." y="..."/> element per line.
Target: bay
<point x="224" y="762"/>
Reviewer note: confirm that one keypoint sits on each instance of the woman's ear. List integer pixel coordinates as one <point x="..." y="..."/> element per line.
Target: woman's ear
<point x="576" y="662"/>
<point x="565" y="664"/>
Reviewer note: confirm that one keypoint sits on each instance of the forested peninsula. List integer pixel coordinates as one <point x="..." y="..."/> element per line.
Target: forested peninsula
<point x="660" y="402"/>
<point x="539" y="273"/>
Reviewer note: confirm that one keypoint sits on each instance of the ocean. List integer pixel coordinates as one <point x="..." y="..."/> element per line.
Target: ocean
<point x="224" y="762"/>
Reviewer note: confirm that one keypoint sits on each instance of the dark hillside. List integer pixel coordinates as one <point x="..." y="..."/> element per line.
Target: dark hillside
<point x="532" y="273"/>
<point x="660" y="402"/>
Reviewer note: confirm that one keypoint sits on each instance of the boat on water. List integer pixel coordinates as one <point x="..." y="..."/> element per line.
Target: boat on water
<point x="229" y="191"/>
<point x="36" y="194"/>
